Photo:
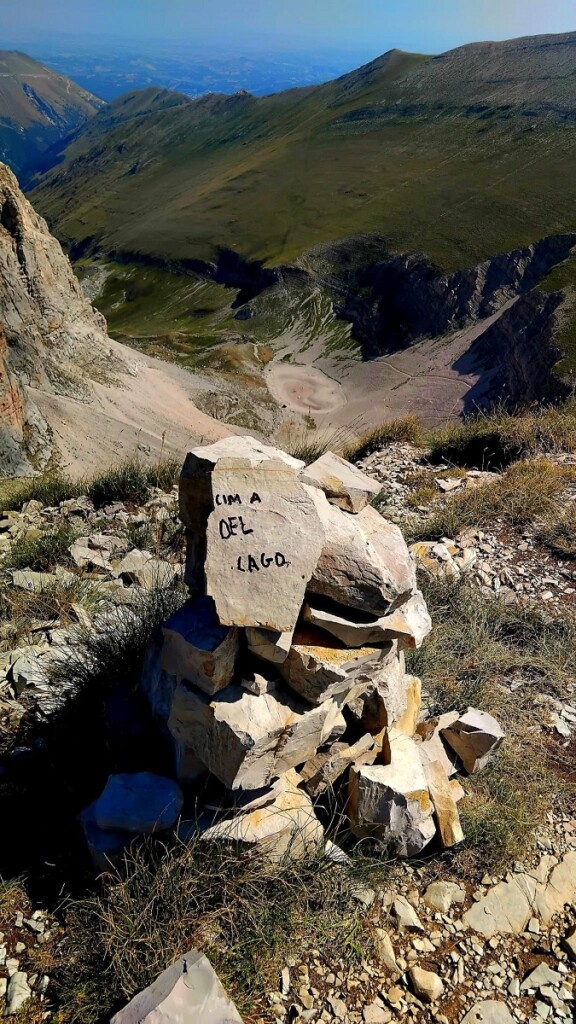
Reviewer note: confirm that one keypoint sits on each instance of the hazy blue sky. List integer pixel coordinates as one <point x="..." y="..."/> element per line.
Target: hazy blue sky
<point x="367" y="26"/>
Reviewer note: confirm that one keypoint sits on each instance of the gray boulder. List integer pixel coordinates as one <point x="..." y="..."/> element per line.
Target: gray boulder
<point x="364" y="563"/>
<point x="139" y="802"/>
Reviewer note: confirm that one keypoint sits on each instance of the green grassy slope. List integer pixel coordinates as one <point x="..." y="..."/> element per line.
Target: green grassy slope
<point x="461" y="156"/>
<point x="37" y="108"/>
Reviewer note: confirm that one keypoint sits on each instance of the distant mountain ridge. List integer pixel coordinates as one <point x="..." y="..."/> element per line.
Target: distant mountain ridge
<point x="460" y="155"/>
<point x="38" y="107"/>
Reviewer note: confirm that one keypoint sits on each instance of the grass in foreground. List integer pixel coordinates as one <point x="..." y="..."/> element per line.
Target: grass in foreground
<point x="44" y="552"/>
<point x="493" y="440"/>
<point x="477" y="647"/>
<point x="247" y="915"/>
<point x="527" y="492"/>
<point x="130" y="481"/>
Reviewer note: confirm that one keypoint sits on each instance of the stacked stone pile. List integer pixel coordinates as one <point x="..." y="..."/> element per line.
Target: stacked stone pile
<point x="284" y="672"/>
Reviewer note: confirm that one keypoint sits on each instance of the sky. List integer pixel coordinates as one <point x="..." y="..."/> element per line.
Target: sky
<point x="363" y="26"/>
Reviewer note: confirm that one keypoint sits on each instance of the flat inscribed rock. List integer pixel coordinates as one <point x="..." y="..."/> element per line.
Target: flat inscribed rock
<point x="264" y="540"/>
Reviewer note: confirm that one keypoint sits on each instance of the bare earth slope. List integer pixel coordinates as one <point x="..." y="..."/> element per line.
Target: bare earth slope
<point x="66" y="390"/>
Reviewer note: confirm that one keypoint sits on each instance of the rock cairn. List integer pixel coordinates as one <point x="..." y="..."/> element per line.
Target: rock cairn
<point x="284" y="672"/>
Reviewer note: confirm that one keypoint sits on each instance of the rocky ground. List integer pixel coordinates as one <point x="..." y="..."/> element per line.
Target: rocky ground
<point x="445" y="948"/>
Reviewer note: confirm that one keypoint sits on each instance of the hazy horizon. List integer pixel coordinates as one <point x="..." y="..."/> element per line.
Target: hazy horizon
<point x="358" y="30"/>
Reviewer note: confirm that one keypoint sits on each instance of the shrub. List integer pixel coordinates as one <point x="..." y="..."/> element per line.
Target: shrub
<point x="126" y="483"/>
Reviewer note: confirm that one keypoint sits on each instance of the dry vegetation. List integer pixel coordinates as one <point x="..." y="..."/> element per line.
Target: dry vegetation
<point x="529" y="491"/>
<point x="477" y="649"/>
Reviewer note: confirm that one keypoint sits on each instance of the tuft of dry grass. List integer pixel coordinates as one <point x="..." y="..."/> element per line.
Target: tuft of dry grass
<point x="558" y="532"/>
<point x="529" y="491"/>
<point x="44" y="552"/>
<point x="128" y="481"/>
<point x="492" y="440"/>
<point x="304" y="441"/>
<point x="404" y="428"/>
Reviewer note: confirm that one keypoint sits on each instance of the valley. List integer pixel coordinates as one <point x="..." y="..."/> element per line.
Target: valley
<point x="368" y="229"/>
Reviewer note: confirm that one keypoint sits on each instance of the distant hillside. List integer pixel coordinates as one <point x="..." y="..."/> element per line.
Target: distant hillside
<point x="37" y="108"/>
<point x="339" y="224"/>
<point x="461" y="155"/>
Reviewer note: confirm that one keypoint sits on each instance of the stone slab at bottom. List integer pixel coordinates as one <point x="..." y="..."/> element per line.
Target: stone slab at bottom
<point x="189" y="990"/>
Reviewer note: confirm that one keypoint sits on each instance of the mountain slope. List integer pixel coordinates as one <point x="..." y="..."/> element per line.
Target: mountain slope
<point x="37" y="108"/>
<point x="67" y="391"/>
<point x="460" y="156"/>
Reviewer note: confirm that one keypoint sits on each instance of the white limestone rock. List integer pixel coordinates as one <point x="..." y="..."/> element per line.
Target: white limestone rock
<point x="189" y="990"/>
<point x="143" y="569"/>
<point x="318" y="666"/>
<point x="445" y="806"/>
<point x="195" y="489"/>
<point x="391" y="801"/>
<point x="475" y="736"/>
<point x="264" y="539"/>
<point x="390" y="698"/>
<point x="17" y="994"/>
<point x="364" y="563"/>
<point x="489" y="1011"/>
<point x="285" y="827"/>
<point x="268" y="645"/>
<point x="410" y="623"/>
<point x="343" y="484"/>
<point x="196" y="647"/>
<point x="432" y="746"/>
<point x="245" y="739"/>
<point x="427" y="985"/>
<point x="441" y="895"/>
<point x="324" y="769"/>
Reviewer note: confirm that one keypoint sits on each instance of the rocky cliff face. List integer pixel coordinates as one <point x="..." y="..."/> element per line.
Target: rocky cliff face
<point x="515" y="357"/>
<point x="52" y="338"/>
<point x="402" y="298"/>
